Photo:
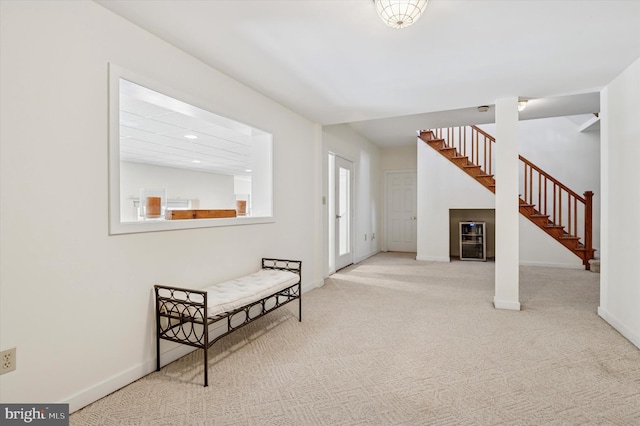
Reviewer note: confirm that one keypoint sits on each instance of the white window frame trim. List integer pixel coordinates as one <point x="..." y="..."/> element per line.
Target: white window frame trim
<point x="117" y="227"/>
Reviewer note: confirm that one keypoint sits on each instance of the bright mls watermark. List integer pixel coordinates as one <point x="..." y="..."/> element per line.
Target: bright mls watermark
<point x="34" y="414"/>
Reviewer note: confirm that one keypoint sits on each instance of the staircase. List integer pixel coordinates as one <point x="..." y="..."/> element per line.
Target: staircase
<point x="546" y="202"/>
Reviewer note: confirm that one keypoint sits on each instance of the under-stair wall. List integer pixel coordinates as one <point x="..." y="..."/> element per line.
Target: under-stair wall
<point x="442" y="186"/>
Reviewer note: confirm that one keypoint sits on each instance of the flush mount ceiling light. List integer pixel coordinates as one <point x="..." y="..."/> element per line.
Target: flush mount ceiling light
<point x="522" y="105"/>
<point x="483" y="108"/>
<point x="400" y="13"/>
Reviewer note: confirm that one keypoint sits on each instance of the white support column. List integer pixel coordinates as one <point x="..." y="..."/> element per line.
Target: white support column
<point x="507" y="285"/>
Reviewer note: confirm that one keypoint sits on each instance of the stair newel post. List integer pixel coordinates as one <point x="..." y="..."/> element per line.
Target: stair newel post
<point x="588" y="227"/>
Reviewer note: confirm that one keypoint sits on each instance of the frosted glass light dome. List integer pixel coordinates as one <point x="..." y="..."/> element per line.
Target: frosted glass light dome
<point x="400" y="13"/>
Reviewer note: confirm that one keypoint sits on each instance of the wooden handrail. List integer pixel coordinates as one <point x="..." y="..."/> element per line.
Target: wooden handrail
<point x="563" y="206"/>
<point x="479" y="130"/>
<point x="551" y="178"/>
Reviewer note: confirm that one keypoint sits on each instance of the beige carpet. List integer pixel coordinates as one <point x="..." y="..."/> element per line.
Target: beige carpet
<point x="394" y="341"/>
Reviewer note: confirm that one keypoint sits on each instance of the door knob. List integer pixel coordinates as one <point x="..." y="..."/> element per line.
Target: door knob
<point x="413" y="218"/>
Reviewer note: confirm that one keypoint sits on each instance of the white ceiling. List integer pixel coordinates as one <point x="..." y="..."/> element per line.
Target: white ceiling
<point x="159" y="130"/>
<point x="334" y="61"/>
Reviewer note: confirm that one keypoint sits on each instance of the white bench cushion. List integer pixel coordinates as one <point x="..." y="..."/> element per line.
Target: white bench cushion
<point x="234" y="294"/>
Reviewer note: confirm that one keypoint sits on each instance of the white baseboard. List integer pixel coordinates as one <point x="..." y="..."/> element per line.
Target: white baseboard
<point x="118" y="381"/>
<point x="553" y="265"/>
<point x="366" y="256"/>
<point x="434" y="258"/>
<point x="628" y="333"/>
<point x="506" y="304"/>
<point x="104" y="388"/>
<point x="312" y="285"/>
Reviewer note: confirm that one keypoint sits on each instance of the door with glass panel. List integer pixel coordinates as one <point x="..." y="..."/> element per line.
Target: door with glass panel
<point x="343" y="212"/>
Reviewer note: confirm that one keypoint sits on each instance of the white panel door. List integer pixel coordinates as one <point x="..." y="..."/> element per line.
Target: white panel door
<point x="401" y="209"/>
<point x="343" y="212"/>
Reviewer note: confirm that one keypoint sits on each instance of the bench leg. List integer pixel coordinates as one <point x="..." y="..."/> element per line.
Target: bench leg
<point x="157" y="353"/>
<point x="206" y="366"/>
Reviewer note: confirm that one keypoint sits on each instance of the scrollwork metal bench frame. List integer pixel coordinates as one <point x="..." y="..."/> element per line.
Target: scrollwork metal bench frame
<point x="182" y="317"/>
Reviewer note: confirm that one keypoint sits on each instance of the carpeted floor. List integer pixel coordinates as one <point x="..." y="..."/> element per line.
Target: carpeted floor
<point x="394" y="341"/>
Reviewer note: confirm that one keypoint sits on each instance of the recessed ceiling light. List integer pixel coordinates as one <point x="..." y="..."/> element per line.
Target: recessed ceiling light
<point x="190" y="136"/>
<point x="195" y="161"/>
<point x="248" y="170"/>
<point x="483" y="108"/>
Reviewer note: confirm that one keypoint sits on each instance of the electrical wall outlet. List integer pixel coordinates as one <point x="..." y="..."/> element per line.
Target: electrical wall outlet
<point x="7" y="360"/>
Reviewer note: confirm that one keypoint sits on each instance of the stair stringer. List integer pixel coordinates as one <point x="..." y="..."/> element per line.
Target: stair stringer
<point x="537" y="248"/>
<point x="443" y="186"/>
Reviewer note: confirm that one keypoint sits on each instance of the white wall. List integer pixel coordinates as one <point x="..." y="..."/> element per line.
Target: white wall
<point x="398" y="158"/>
<point x="537" y="248"/>
<point x="76" y="302"/>
<point x="343" y="141"/>
<point x="620" y="275"/>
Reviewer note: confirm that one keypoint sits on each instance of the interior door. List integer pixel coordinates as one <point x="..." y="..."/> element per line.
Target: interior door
<point x="343" y="212"/>
<point x="401" y="209"/>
